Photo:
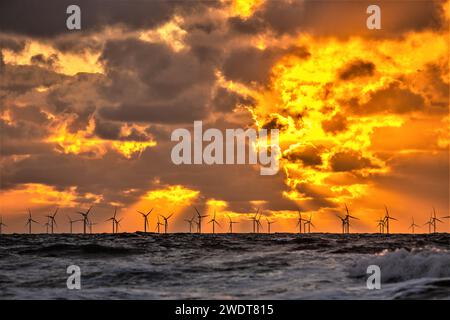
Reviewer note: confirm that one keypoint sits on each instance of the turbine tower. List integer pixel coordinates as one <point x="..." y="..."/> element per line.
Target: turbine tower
<point x="158" y="225"/>
<point x="344" y="223"/>
<point x="85" y="216"/>
<point x="347" y="219"/>
<point x="166" y="222"/>
<point x="190" y="221"/>
<point x="254" y="220"/>
<point x="145" y="216"/>
<point x="268" y="224"/>
<point x="434" y="219"/>
<point x="200" y="217"/>
<point x="231" y="222"/>
<point x="300" y="221"/>
<point x="380" y="225"/>
<point x="71" y="222"/>
<point x="51" y="220"/>
<point x="2" y="225"/>
<point x="30" y="221"/>
<point x="214" y="222"/>
<point x="113" y="220"/>
<point x="118" y="224"/>
<point x="387" y="217"/>
<point x="413" y="225"/>
<point x="309" y="223"/>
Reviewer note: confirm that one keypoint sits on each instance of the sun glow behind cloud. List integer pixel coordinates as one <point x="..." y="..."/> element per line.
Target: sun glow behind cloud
<point x="85" y="142"/>
<point x="65" y="63"/>
<point x="307" y="92"/>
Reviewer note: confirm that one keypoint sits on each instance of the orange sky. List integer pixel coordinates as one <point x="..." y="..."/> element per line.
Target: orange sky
<point x="363" y="119"/>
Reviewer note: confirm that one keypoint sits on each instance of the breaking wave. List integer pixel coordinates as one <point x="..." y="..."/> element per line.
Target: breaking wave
<point x="402" y="265"/>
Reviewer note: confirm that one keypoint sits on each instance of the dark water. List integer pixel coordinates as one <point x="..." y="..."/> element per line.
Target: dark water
<point x="238" y="266"/>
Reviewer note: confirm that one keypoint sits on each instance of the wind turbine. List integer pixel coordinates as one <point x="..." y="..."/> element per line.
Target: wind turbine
<point x="91" y="224"/>
<point x="387" y="218"/>
<point x="30" y="221"/>
<point x="190" y="221"/>
<point x="258" y="222"/>
<point x="429" y="223"/>
<point x="309" y="223"/>
<point x="166" y="223"/>
<point x="158" y="224"/>
<point x="214" y="222"/>
<point x="347" y="218"/>
<point x="268" y="224"/>
<point x="434" y="219"/>
<point x="344" y="223"/>
<point x="113" y="220"/>
<point x="46" y="225"/>
<point x="380" y="225"/>
<point x="299" y="221"/>
<point x="200" y="217"/>
<point x="118" y="224"/>
<point x="85" y="216"/>
<point x="413" y="225"/>
<point x="72" y="222"/>
<point x="231" y="222"/>
<point x="51" y="219"/>
<point x="254" y="220"/>
<point x="145" y="216"/>
<point x="2" y="225"/>
<point x="196" y="223"/>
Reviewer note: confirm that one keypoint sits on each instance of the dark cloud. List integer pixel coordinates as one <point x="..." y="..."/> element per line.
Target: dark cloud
<point x="29" y="113"/>
<point x="252" y="65"/>
<point x="48" y="18"/>
<point x="225" y="100"/>
<point x="151" y="83"/>
<point x="40" y="59"/>
<point x="274" y="122"/>
<point x="22" y="130"/>
<point x="349" y="160"/>
<point x="307" y="155"/>
<point x="336" y="124"/>
<point x="394" y="98"/>
<point x="181" y="110"/>
<point x="341" y="18"/>
<point x="107" y="130"/>
<point x="22" y="78"/>
<point x="316" y="197"/>
<point x="357" y="69"/>
<point x="249" y="65"/>
<point x="11" y="43"/>
<point x="419" y="176"/>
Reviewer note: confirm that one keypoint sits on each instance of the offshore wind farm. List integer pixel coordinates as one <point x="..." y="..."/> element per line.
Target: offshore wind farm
<point x="157" y="263"/>
<point x="224" y="266"/>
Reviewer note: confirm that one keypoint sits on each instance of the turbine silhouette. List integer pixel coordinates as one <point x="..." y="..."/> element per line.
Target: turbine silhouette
<point x="145" y="216"/>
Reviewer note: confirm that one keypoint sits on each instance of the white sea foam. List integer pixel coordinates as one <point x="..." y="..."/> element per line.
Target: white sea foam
<point x="402" y="265"/>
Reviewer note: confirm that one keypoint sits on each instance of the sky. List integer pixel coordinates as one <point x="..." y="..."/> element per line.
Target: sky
<point x="86" y="115"/>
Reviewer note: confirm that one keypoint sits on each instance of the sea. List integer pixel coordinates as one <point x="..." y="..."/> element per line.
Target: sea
<point x="224" y="266"/>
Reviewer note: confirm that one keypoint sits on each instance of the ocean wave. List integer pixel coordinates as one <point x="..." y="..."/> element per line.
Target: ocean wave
<point x="71" y="249"/>
<point x="403" y="265"/>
